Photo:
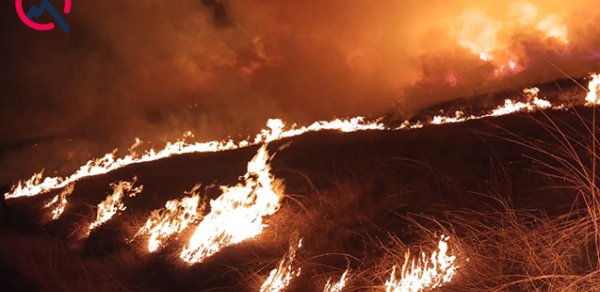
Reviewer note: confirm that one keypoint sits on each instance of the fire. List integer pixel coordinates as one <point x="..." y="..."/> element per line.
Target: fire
<point x="593" y="87"/>
<point x="490" y="39"/>
<point x="276" y="129"/>
<point x="338" y="286"/>
<point x="422" y="273"/>
<point x="238" y="213"/>
<point x="509" y="107"/>
<point x="459" y="116"/>
<point x="281" y="277"/>
<point x="114" y="203"/>
<point x="553" y="28"/>
<point x="478" y="33"/>
<point x="59" y="202"/>
<point x="171" y="220"/>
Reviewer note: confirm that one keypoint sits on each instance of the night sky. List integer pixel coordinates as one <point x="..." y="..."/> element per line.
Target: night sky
<point x="154" y="69"/>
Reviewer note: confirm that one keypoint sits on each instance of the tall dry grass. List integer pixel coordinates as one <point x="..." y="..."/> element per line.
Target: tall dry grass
<point x="505" y="248"/>
<point x="352" y="225"/>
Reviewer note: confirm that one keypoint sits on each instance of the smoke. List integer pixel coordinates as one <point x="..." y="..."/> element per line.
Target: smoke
<point x="155" y="69"/>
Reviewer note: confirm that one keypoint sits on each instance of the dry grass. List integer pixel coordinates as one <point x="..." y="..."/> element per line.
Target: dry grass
<point x="529" y="250"/>
<point x="351" y="224"/>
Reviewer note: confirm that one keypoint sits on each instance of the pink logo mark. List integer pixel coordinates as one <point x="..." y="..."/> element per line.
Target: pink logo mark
<point x="34" y="25"/>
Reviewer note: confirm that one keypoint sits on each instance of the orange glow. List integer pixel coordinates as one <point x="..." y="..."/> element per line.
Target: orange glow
<point x="553" y="28"/>
<point x="479" y="34"/>
<point x="489" y="37"/>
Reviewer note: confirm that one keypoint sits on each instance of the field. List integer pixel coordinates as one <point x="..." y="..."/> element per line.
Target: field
<point x="516" y="196"/>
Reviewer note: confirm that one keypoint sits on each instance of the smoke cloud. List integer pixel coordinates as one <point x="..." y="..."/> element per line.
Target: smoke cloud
<point x="154" y="69"/>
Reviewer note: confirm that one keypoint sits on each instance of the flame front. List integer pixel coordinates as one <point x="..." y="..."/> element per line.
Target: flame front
<point x="38" y="184"/>
<point x="238" y="213"/>
<point x="114" y="203"/>
<point x="276" y="129"/>
<point x="509" y="107"/>
<point x="171" y="220"/>
<point x="338" y="286"/>
<point x="422" y="273"/>
<point x="59" y="202"/>
<point x="281" y="277"/>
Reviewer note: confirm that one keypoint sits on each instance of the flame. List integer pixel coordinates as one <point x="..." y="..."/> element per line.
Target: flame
<point x="238" y="213"/>
<point x="171" y="220"/>
<point x="478" y="33"/>
<point x="275" y="130"/>
<point x="422" y="273"/>
<point x="593" y="87"/>
<point x="38" y="184"/>
<point x="553" y="28"/>
<point x="281" y="277"/>
<point x="338" y="286"/>
<point x="489" y="38"/>
<point x="509" y="107"/>
<point x="114" y="203"/>
<point x="59" y="202"/>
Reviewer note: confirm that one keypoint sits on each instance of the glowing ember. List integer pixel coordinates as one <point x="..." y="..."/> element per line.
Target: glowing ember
<point x="281" y="277"/>
<point x="171" y="220"/>
<point x="338" y="286"/>
<point x="39" y="184"/>
<point x="422" y="273"/>
<point x="238" y="213"/>
<point x="114" y="203"/>
<point x="59" y="202"/>
<point x="593" y="87"/>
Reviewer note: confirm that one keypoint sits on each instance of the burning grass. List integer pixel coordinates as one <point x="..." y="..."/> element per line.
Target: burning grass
<point x="360" y="232"/>
<point x="113" y="203"/>
<point x="59" y="202"/>
<point x="172" y="220"/>
<point x="423" y="272"/>
<point x="281" y="277"/>
<point x="237" y="214"/>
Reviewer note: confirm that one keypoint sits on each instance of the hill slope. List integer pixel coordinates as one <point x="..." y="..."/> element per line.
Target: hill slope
<point x="352" y="197"/>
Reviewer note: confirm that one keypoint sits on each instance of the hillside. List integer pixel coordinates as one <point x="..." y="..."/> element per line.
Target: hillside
<point x="351" y="197"/>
